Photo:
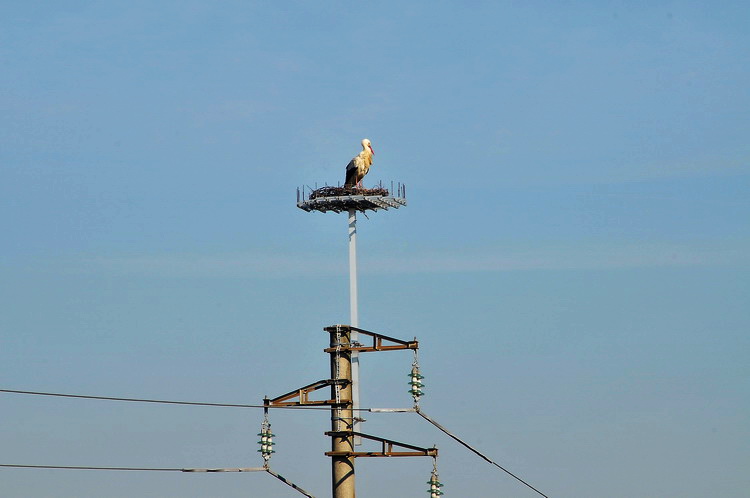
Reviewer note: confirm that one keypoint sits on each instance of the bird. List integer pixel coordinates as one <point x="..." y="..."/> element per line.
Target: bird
<point x="359" y="165"/>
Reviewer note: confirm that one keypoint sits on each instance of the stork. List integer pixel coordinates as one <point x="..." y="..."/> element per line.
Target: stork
<point x="359" y="165"/>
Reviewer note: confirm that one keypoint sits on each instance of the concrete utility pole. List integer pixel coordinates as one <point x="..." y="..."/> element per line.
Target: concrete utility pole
<point x="342" y="467"/>
<point x="341" y="348"/>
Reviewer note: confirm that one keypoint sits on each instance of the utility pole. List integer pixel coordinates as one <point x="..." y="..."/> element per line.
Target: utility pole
<point x="342" y="415"/>
<point x="342" y="435"/>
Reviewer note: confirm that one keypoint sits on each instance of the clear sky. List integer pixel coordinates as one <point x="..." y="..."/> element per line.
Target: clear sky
<point x="574" y="258"/>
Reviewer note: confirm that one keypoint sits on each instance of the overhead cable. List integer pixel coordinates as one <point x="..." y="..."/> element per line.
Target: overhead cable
<point x="153" y="469"/>
<point x="195" y="403"/>
<point x="446" y="431"/>
<point x="288" y="483"/>
<point x="80" y="467"/>
<point x="111" y="398"/>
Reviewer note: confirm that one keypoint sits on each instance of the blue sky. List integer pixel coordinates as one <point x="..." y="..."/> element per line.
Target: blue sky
<point x="573" y="258"/>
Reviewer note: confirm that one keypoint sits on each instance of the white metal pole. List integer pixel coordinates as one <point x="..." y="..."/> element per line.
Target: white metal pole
<point x="353" y="269"/>
<point x="354" y="316"/>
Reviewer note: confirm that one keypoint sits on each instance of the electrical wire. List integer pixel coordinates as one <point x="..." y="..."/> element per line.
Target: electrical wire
<point x="196" y="403"/>
<point x="446" y="431"/>
<point x="416" y="409"/>
<point x="77" y="467"/>
<point x="152" y="469"/>
<point x="289" y="483"/>
<point x="80" y="467"/>
<point x="139" y="400"/>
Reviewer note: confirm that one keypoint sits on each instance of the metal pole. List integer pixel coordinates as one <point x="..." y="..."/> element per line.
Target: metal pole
<point x="353" y="270"/>
<point x="342" y="467"/>
<point x="353" y="311"/>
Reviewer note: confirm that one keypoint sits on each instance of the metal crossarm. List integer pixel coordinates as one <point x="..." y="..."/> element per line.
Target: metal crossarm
<point x="377" y="342"/>
<point x="386" y="449"/>
<point x="302" y="395"/>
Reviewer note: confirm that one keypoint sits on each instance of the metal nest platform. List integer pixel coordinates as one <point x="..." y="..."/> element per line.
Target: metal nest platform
<point x="341" y="199"/>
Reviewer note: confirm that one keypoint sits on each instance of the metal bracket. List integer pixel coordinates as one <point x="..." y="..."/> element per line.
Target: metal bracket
<point x="386" y="447"/>
<point x="303" y="392"/>
<point x="377" y="342"/>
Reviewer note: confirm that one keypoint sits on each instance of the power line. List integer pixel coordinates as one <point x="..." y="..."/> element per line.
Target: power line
<point x="235" y="469"/>
<point x="152" y="469"/>
<point x="195" y="403"/>
<point x="138" y="400"/>
<point x="433" y="422"/>
<point x="289" y="483"/>
<point x="235" y="405"/>
<point x="77" y="467"/>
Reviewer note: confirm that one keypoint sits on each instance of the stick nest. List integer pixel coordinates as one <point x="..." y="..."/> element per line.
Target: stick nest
<point x="341" y="191"/>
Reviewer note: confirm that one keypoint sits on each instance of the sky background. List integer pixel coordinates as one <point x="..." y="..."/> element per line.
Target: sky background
<point x="574" y="256"/>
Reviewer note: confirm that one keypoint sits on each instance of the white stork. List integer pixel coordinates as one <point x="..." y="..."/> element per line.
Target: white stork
<point x="359" y="165"/>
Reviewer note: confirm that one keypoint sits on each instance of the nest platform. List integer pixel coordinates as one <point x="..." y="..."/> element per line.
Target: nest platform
<point x="342" y="199"/>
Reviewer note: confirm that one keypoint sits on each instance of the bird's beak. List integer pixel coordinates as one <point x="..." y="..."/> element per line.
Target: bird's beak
<point x="373" y="152"/>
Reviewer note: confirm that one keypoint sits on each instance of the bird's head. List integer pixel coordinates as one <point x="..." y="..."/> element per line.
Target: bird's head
<point x="366" y="145"/>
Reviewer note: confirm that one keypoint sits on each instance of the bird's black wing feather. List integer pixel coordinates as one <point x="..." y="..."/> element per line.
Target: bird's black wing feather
<point x="351" y="174"/>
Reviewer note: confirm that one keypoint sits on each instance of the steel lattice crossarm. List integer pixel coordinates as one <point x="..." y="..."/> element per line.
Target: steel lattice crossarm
<point x="302" y="395"/>
<point x="342" y="199"/>
<point x="377" y="342"/>
<point x="386" y="449"/>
